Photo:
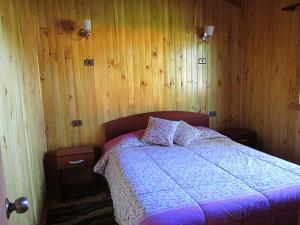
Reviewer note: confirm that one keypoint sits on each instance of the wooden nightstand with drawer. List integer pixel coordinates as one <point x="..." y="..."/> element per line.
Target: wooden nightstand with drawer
<point x="75" y="166"/>
<point x="242" y="136"/>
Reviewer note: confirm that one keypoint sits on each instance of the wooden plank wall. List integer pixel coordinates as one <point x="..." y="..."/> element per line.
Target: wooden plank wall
<point x="269" y="76"/>
<point x="22" y="138"/>
<point x="145" y="60"/>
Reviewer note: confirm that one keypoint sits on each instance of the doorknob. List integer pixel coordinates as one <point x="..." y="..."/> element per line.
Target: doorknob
<point x="21" y="205"/>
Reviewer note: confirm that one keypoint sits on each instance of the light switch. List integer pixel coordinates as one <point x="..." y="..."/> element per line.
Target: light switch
<point x="202" y="61"/>
<point x="89" y="62"/>
<point x="212" y="113"/>
<point x="76" y="123"/>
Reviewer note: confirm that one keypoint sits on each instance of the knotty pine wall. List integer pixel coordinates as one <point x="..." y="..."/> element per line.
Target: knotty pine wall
<point x="22" y="138"/>
<point x="270" y="67"/>
<point x="145" y="56"/>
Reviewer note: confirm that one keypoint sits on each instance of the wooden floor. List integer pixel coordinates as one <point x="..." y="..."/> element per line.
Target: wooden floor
<point x="91" y="210"/>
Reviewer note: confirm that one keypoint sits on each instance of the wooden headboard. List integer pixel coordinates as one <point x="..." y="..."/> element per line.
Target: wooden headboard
<point x="128" y="124"/>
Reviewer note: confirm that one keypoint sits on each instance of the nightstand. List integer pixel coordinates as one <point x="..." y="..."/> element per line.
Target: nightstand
<point x="75" y="166"/>
<point x="241" y="135"/>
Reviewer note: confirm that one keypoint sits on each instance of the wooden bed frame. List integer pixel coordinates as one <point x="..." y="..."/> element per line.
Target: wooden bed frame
<point x="136" y="122"/>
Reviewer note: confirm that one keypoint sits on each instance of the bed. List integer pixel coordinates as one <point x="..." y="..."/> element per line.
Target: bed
<point x="213" y="181"/>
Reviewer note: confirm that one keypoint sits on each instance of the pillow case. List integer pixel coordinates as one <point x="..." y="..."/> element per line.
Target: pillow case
<point x="160" y="131"/>
<point x="185" y="134"/>
<point x="206" y="133"/>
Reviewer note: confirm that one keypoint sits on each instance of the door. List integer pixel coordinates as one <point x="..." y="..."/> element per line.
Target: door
<point x="3" y="218"/>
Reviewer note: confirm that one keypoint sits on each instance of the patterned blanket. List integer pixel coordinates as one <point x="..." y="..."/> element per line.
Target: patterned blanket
<point x="213" y="181"/>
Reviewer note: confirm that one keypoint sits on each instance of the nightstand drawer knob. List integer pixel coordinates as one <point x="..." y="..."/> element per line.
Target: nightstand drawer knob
<point x="76" y="162"/>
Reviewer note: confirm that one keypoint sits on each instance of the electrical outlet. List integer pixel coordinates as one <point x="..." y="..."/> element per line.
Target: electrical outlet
<point x="202" y="61"/>
<point x="212" y="113"/>
<point x="89" y="62"/>
<point x="76" y="123"/>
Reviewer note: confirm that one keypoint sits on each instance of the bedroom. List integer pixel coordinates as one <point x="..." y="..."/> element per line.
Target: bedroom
<point x="141" y="56"/>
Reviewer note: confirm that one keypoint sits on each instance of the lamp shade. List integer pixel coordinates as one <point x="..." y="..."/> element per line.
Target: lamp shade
<point x="87" y="24"/>
<point x="209" y="30"/>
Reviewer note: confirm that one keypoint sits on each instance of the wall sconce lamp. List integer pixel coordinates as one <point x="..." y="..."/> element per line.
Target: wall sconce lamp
<point x="207" y="33"/>
<point x="86" y="29"/>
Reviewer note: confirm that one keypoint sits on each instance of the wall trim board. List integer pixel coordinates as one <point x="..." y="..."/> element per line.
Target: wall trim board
<point x="44" y="212"/>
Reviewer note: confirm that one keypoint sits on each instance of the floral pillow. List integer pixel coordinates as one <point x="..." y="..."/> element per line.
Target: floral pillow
<point x="160" y="131"/>
<point x="185" y="134"/>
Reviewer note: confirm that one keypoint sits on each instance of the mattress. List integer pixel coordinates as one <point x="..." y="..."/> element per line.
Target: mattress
<point x="213" y="181"/>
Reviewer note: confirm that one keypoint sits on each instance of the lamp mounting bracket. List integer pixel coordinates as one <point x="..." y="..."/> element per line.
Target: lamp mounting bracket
<point x="291" y="8"/>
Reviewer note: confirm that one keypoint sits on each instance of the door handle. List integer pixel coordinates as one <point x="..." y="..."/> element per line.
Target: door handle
<point x="20" y="205"/>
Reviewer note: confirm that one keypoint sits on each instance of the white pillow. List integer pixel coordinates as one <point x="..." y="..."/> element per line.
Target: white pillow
<point x="160" y="131"/>
<point x="185" y="134"/>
